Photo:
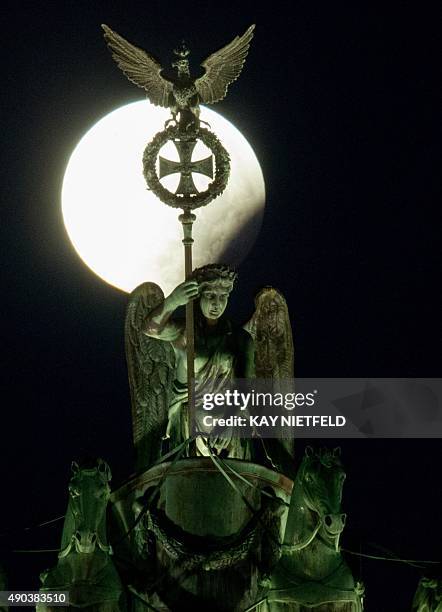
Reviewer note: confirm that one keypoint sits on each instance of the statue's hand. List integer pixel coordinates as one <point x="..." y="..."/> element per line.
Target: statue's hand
<point x="185" y="292"/>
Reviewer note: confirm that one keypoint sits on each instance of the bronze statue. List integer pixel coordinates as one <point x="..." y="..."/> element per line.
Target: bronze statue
<point x="85" y="567"/>
<point x="312" y="573"/>
<point x="183" y="93"/>
<point x="222" y="351"/>
<point x="428" y="596"/>
<point x="157" y="364"/>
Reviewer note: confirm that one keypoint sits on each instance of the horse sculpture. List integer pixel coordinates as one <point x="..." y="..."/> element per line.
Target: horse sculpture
<point x="85" y="567"/>
<point x="312" y="572"/>
<point x="428" y="597"/>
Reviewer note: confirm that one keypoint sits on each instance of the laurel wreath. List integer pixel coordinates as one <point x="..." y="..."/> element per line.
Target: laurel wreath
<point x="216" y="187"/>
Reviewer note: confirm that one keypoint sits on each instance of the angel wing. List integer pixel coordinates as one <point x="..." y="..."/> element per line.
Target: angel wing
<point x="274" y="359"/>
<point x="151" y="366"/>
<point x="139" y="67"/>
<point x="222" y="68"/>
<point x="272" y="333"/>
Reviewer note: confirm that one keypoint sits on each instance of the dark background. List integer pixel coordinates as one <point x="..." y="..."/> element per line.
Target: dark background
<point x="339" y="101"/>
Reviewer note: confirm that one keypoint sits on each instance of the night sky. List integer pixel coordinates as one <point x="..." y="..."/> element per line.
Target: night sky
<point x="339" y="101"/>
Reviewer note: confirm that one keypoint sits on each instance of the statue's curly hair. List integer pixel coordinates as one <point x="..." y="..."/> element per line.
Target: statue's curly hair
<point x="214" y="272"/>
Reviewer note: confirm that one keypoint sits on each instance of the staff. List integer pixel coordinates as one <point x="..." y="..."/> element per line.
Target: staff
<point x="187" y="219"/>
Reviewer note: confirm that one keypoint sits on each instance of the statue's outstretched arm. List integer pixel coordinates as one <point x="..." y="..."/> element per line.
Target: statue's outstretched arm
<point x="158" y="324"/>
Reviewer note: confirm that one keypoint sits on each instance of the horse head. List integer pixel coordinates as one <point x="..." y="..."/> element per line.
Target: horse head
<point x="89" y="493"/>
<point x="316" y="501"/>
<point x="321" y="479"/>
<point x="310" y="552"/>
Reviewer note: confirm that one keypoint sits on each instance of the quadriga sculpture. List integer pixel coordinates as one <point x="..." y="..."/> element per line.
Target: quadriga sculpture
<point x="312" y="573"/>
<point x="85" y="567"/>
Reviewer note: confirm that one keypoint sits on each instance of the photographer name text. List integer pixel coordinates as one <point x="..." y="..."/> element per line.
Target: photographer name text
<point x="292" y="420"/>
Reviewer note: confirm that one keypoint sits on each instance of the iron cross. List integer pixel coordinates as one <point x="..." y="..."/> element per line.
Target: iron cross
<point x="186" y="167"/>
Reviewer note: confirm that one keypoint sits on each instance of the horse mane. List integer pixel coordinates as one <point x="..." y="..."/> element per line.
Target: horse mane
<point x="327" y="457"/>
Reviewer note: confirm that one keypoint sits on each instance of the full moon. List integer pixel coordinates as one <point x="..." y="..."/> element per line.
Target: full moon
<point x="123" y="232"/>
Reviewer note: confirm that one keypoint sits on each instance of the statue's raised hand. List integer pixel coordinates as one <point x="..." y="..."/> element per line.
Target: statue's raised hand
<point x="184" y="293"/>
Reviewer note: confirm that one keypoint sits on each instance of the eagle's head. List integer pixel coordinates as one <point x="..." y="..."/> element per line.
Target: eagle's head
<point x="182" y="63"/>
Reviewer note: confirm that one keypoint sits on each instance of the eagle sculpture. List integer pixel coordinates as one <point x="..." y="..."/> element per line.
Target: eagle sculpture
<point x="183" y="93"/>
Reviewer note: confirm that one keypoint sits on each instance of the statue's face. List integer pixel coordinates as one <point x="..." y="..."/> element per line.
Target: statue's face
<point x="213" y="300"/>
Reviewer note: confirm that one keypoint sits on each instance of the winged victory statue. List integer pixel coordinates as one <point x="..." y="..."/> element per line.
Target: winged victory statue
<point x="155" y="352"/>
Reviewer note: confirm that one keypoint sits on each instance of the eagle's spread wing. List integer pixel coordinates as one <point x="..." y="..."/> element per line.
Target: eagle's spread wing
<point x="222" y="68"/>
<point x="139" y="67"/>
<point x="151" y="369"/>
